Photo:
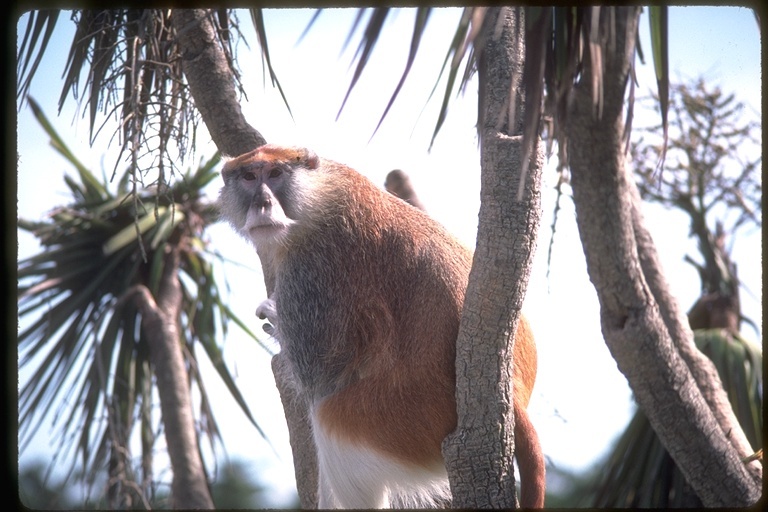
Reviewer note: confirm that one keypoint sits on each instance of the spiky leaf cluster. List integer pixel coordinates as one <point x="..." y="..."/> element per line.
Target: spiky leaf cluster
<point x="81" y="342"/>
<point x="640" y="473"/>
<point x="124" y="67"/>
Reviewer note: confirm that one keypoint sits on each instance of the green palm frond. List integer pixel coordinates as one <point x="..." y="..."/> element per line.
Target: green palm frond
<point x="40" y="26"/>
<point x="640" y="473"/>
<point x="461" y="45"/>
<point x="365" y="48"/>
<point x="422" y="16"/>
<point x="82" y="352"/>
<point x="257" y="16"/>
<point x="126" y="64"/>
<point x="658" y="21"/>
<point x="90" y="190"/>
<point x="558" y="39"/>
<point x="740" y="366"/>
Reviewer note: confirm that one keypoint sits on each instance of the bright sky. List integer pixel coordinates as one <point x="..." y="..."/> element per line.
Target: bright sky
<point x="581" y="401"/>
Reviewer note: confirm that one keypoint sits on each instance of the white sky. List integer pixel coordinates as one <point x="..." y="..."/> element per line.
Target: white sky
<point x="581" y="401"/>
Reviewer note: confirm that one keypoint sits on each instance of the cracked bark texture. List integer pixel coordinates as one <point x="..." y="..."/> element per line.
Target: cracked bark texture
<point x="189" y="488"/>
<point x="479" y="453"/>
<point x="212" y="84"/>
<point x="643" y="329"/>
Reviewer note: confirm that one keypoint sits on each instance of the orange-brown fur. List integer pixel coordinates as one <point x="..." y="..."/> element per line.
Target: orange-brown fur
<point x="388" y="284"/>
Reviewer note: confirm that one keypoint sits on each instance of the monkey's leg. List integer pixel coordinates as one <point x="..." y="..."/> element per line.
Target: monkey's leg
<point x="350" y="475"/>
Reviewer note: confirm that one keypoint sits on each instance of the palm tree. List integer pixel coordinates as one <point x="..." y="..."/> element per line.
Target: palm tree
<point x="642" y="323"/>
<point x="584" y="57"/>
<point x="120" y="301"/>
<point x="705" y="175"/>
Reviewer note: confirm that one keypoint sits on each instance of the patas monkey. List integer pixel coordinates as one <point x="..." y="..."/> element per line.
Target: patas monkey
<point x="366" y="306"/>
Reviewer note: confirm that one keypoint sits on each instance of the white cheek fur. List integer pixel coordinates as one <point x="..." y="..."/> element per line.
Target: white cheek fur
<point x="352" y="475"/>
<point x="264" y="228"/>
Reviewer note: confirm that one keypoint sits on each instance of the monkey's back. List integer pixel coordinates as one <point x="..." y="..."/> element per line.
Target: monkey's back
<point x="367" y="298"/>
<point x="370" y="298"/>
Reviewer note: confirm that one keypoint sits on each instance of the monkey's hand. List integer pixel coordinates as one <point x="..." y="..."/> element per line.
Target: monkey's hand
<point x="268" y="311"/>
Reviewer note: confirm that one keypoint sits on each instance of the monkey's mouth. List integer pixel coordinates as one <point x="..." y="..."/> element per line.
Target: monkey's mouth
<point x="268" y="229"/>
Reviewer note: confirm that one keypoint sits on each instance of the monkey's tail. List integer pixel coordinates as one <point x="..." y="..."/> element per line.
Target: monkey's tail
<point x="530" y="461"/>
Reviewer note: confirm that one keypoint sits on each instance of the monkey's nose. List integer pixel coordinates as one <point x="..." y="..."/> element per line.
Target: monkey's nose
<point x="262" y="201"/>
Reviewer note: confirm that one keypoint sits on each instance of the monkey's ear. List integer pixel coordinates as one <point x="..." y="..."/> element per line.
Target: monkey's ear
<point x="226" y="171"/>
<point x="311" y="160"/>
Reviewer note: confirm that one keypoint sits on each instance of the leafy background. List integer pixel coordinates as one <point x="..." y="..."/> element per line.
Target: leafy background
<point x="578" y="380"/>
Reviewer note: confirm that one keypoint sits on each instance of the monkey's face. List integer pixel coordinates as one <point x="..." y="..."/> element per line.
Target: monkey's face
<point x="253" y="200"/>
<point x="262" y="194"/>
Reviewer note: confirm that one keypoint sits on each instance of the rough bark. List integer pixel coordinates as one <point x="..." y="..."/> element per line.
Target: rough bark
<point x="300" y="434"/>
<point x="675" y="320"/>
<point x="643" y="330"/>
<point x="212" y="84"/>
<point x="189" y="489"/>
<point x="479" y="453"/>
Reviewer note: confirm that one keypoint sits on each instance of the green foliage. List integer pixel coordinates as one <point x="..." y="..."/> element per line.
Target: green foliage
<point x="233" y="488"/>
<point x="133" y="69"/>
<point x="641" y="473"/>
<point x="558" y="40"/>
<point x="711" y="173"/>
<point x="36" y="491"/>
<point x="33" y="45"/>
<point x="82" y="351"/>
<point x="257" y="16"/>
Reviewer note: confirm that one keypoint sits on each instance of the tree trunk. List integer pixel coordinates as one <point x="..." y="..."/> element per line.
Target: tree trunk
<point x="479" y="453"/>
<point x="189" y="489"/>
<point x="212" y="84"/>
<point x="300" y="435"/>
<point x="641" y="325"/>
<point x="702" y="368"/>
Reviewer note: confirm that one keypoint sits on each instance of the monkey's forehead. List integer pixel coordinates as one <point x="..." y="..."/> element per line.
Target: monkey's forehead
<point x="273" y="154"/>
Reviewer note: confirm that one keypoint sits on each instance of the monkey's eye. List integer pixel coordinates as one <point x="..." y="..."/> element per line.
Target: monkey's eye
<point x="274" y="173"/>
<point x="249" y="176"/>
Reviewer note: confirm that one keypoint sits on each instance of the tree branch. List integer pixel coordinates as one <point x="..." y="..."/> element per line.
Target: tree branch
<point x="300" y="434"/>
<point x="676" y="322"/>
<point x="632" y="321"/>
<point x="159" y="323"/>
<point x="506" y="240"/>
<point x="212" y="83"/>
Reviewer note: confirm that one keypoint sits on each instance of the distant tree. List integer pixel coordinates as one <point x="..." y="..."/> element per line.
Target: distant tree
<point x="708" y="176"/>
<point x="37" y="491"/>
<point x="235" y="488"/>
